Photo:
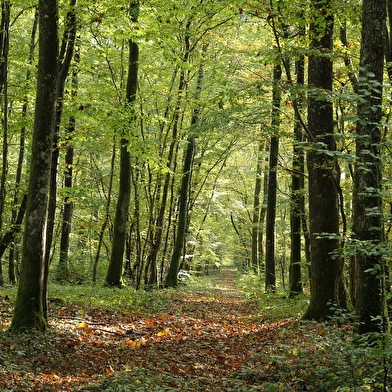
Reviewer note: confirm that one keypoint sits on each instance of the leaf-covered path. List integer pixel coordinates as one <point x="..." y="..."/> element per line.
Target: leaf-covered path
<point x="212" y="340"/>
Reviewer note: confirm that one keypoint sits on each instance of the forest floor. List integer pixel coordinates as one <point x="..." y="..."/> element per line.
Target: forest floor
<point x="214" y="339"/>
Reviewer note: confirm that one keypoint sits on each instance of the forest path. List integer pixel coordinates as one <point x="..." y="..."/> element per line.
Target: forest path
<point x="212" y="339"/>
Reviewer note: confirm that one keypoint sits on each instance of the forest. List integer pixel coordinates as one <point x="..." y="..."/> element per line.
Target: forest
<point x="183" y="179"/>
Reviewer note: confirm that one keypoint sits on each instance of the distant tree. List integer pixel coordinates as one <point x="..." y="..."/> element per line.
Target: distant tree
<point x="29" y="304"/>
<point x="185" y="188"/>
<point x="367" y="203"/>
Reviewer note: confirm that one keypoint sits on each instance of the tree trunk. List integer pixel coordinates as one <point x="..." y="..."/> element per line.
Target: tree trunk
<point x="4" y="50"/>
<point x="179" y="244"/>
<point x="297" y="184"/>
<point x="367" y="203"/>
<point x="13" y="253"/>
<point x="171" y="278"/>
<point x="323" y="192"/>
<point x="115" y="269"/>
<point x="63" y="267"/>
<point x="29" y="304"/>
<point x="107" y="214"/>
<point x="270" y="276"/>
<point x="65" y="57"/>
<point x="257" y="206"/>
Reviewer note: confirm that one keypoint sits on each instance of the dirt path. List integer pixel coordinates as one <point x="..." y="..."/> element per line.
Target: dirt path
<point x="210" y="340"/>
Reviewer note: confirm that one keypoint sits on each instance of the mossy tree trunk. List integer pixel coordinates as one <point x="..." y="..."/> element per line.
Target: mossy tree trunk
<point x="29" y="304"/>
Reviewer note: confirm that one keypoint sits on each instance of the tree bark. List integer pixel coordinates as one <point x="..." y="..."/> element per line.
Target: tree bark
<point x="367" y="203"/>
<point x="257" y="206"/>
<point x="29" y="304"/>
<point x="65" y="58"/>
<point x="297" y="184"/>
<point x="270" y="276"/>
<point x="115" y="269"/>
<point x="63" y="267"/>
<point x="4" y="50"/>
<point x="323" y="192"/>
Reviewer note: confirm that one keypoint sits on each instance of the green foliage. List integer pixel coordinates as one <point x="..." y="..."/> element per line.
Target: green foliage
<point x="274" y="306"/>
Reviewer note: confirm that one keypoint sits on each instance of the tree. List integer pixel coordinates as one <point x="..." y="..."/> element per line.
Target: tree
<point x="4" y="52"/>
<point x="322" y="166"/>
<point x="14" y="253"/>
<point x="367" y="203"/>
<point x="297" y="185"/>
<point x="65" y="58"/>
<point x="115" y="269"/>
<point x="171" y="278"/>
<point x="29" y="304"/>
<point x="270" y="277"/>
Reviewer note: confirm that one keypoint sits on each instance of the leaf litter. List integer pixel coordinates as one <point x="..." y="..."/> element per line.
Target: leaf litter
<point x="211" y="340"/>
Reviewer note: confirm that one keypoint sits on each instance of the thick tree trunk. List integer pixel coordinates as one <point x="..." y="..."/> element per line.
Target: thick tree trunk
<point x="367" y="203"/>
<point x="29" y="304"/>
<point x="323" y="192"/>
<point x="115" y="269"/>
<point x="270" y="276"/>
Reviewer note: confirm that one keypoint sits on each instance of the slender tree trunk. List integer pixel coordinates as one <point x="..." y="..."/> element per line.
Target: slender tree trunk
<point x="297" y="184"/>
<point x="115" y="269"/>
<point x="65" y="57"/>
<point x="4" y="49"/>
<point x="9" y="236"/>
<point x="270" y="276"/>
<point x="29" y="305"/>
<point x="13" y="253"/>
<point x="367" y="203"/>
<point x="63" y="267"/>
<point x="323" y="191"/>
<point x="256" y="228"/>
<point x="171" y="278"/>
<point x="107" y="214"/>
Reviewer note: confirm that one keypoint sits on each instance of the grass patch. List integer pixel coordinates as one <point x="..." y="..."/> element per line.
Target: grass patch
<point x="274" y="306"/>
